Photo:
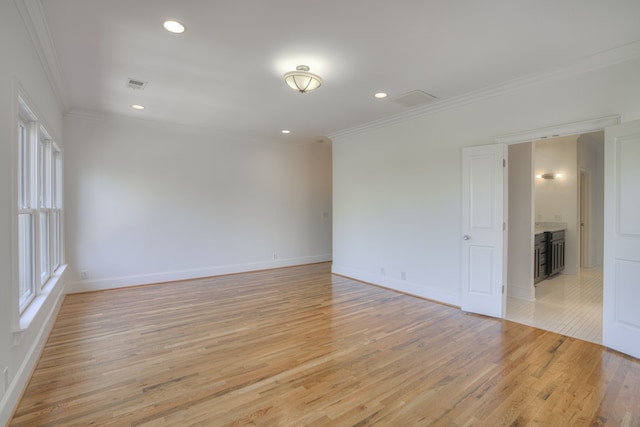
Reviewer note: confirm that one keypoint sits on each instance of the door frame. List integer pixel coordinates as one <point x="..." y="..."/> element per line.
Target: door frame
<point x="584" y="222"/>
<point x="565" y="129"/>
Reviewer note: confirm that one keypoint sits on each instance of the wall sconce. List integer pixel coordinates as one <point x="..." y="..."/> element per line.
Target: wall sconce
<point x="547" y="176"/>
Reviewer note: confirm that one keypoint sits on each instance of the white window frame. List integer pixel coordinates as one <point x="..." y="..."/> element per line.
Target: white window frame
<point x="40" y="252"/>
<point x="56" y="207"/>
<point x="27" y="191"/>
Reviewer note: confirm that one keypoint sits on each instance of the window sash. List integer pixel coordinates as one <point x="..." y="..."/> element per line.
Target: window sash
<point x="56" y="243"/>
<point x="45" y="267"/>
<point x="44" y="172"/>
<point x="26" y="258"/>
<point x="23" y="169"/>
<point x="56" y="175"/>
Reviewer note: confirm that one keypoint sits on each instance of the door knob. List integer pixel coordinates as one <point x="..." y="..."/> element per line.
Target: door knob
<point x="465" y="237"/>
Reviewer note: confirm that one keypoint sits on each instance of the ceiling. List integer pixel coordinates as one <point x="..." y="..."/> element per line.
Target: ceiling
<point x="225" y="72"/>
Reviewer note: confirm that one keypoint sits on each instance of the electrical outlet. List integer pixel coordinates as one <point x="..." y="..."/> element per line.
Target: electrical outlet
<point x="275" y="255"/>
<point x="403" y="275"/>
<point x="382" y="272"/>
<point x="84" y="274"/>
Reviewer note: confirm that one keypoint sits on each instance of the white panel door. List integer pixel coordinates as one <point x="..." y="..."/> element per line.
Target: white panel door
<point x="621" y="299"/>
<point x="483" y="237"/>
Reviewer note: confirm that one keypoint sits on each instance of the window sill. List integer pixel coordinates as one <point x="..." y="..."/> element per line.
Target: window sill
<point x="30" y="313"/>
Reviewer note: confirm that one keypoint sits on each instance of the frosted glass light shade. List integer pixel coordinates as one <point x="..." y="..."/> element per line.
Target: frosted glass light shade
<point x="302" y="80"/>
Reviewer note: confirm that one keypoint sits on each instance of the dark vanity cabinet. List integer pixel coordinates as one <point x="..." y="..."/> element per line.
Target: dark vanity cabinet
<point x="548" y="254"/>
<point x="540" y="258"/>
<point x="555" y="250"/>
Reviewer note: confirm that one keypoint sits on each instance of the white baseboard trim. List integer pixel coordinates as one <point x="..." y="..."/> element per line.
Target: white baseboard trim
<point x="412" y="288"/>
<point x="171" y="276"/>
<point x="12" y="395"/>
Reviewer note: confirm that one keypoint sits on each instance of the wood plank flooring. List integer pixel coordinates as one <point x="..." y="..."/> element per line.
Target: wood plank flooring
<point x="301" y="347"/>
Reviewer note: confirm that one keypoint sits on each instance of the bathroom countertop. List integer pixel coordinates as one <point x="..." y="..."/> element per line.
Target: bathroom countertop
<point x="541" y="227"/>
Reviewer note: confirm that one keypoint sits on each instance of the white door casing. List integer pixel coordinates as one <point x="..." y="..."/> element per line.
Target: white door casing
<point x="483" y="235"/>
<point x="585" y="219"/>
<point x="621" y="293"/>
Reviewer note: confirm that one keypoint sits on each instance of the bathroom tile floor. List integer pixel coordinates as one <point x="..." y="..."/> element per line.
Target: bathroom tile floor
<point x="568" y="305"/>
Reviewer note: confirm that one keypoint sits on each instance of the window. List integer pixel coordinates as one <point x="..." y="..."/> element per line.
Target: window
<point x="56" y="208"/>
<point x="26" y="243"/>
<point x="39" y="207"/>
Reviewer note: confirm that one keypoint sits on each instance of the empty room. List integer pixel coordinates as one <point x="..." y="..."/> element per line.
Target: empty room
<point x="295" y="213"/>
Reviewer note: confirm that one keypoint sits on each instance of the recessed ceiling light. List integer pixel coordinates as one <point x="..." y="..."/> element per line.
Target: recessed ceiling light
<point x="137" y="107"/>
<point x="174" y="27"/>
<point x="380" y="95"/>
<point x="285" y="131"/>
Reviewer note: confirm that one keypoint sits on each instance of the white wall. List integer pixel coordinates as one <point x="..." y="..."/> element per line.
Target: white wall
<point x="520" y="246"/>
<point x="149" y="202"/>
<point x="591" y="160"/>
<point x="19" y="66"/>
<point x="397" y="186"/>
<point x="556" y="200"/>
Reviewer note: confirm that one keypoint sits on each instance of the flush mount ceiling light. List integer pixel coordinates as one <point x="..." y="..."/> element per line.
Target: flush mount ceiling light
<point x="173" y="26"/>
<point x="137" y="107"/>
<point x="302" y="80"/>
<point x="380" y="95"/>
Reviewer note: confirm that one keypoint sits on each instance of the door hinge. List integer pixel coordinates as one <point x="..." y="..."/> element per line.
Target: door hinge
<point x="504" y="226"/>
<point x="503" y="289"/>
<point x="504" y="163"/>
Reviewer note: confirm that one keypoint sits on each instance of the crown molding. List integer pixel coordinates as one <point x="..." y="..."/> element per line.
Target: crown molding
<point x="20" y="92"/>
<point x="575" y="128"/>
<point x="604" y="59"/>
<point x="33" y="17"/>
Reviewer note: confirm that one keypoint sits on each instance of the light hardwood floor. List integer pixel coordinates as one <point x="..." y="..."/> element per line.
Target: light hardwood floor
<point x="301" y="347"/>
<point x="567" y="304"/>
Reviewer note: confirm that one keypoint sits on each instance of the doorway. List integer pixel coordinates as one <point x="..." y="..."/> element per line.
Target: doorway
<point x="569" y="303"/>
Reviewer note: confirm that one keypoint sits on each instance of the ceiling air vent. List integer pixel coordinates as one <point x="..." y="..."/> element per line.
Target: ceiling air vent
<point x="136" y="84"/>
<point x="415" y="98"/>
